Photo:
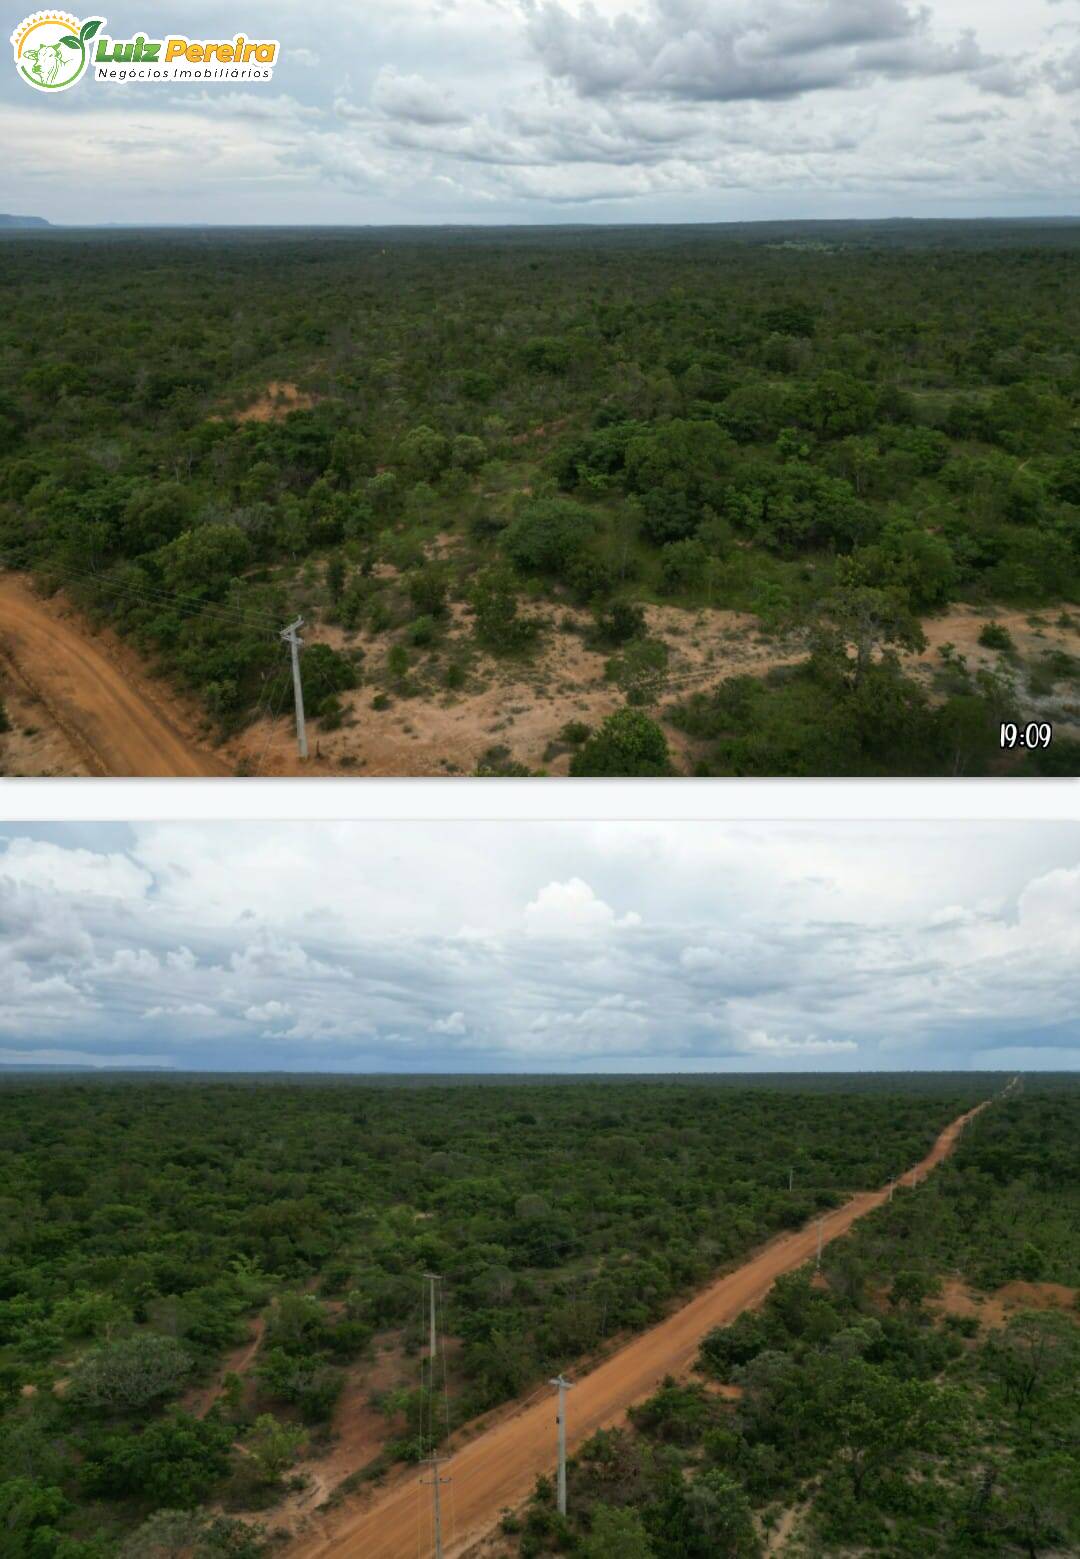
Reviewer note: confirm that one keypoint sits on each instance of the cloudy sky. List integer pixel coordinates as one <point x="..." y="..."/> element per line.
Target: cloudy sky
<point x="572" y="110"/>
<point x="541" y="947"/>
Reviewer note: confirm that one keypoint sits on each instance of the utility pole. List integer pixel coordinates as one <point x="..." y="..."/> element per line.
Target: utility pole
<point x="791" y="1179"/>
<point x="819" y="1224"/>
<point x="289" y="634"/>
<point x="434" y="1462"/>
<point x="431" y="1278"/>
<point x="563" y="1387"/>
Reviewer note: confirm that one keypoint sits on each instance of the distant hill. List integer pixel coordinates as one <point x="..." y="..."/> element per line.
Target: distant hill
<point x="60" y="1067"/>
<point x="7" y="220"/>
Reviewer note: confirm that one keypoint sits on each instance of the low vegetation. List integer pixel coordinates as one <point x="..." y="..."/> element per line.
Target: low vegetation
<point x="148" y="1225"/>
<point x="446" y="450"/>
<point x="882" y="1407"/>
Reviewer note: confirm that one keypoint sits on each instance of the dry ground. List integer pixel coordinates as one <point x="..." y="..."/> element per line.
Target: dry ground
<point x="35" y="746"/>
<point x="92" y="705"/>
<point x="518" y="705"/>
<point x="993" y="1311"/>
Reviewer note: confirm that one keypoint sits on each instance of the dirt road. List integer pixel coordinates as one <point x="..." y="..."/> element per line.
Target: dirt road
<point x="200" y="1400"/>
<point x="91" y="687"/>
<point x="498" y="1468"/>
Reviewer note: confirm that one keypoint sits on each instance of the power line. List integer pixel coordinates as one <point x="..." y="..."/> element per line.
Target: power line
<point x="152" y="595"/>
<point x="272" y="714"/>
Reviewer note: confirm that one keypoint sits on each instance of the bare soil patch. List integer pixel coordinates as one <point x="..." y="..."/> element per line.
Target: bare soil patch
<point x="521" y="706"/>
<point x="275" y="403"/>
<point x="97" y="691"/>
<point x="778" y="1539"/>
<point x="993" y="1311"/>
<point x="1034" y="633"/>
<point x="35" y="746"/>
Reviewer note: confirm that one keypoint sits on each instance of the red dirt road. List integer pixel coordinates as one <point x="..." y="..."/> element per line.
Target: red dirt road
<point x="498" y="1468"/>
<point x="91" y="687"/>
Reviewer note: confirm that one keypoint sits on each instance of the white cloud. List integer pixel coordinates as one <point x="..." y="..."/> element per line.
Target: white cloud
<point x="193" y="1009"/>
<point x="269" y="1012"/>
<point x="783" y="1045"/>
<point x="651" y="109"/>
<point x="134" y="962"/>
<point x="766" y="947"/>
<point x="37" y="864"/>
<point x="711" y="50"/>
<point x="695" y="958"/>
<point x="453" y="1023"/>
<point x="566" y="909"/>
<point x="411" y="97"/>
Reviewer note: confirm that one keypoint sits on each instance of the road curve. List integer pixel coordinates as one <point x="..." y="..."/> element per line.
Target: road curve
<point x="497" y="1469"/>
<point x="92" y="691"/>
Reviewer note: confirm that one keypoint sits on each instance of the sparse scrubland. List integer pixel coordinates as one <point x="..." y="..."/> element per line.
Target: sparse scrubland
<point x="210" y="1291"/>
<point x="918" y="1397"/>
<point x="629" y="501"/>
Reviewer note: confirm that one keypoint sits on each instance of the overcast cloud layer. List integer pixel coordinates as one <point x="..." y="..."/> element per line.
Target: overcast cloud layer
<point x="541" y="947"/>
<point x="569" y="110"/>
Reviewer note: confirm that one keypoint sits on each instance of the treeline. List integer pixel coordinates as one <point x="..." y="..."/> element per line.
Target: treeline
<point x="144" y="1223"/>
<point x="839" y="438"/>
<point x="863" y="1412"/>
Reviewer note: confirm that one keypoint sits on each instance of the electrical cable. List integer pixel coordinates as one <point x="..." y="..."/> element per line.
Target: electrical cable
<point x="273" y="714"/>
<point x="155" y="597"/>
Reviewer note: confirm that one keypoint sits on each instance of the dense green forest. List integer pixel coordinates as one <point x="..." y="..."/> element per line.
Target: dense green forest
<point x="919" y="1397"/>
<point x="450" y="449"/>
<point x="144" y="1223"/>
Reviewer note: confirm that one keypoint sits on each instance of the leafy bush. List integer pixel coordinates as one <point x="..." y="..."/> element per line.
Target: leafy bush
<point x="130" y="1373"/>
<point x="628" y="743"/>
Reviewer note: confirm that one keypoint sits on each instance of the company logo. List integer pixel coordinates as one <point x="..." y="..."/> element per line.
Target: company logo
<point x="52" y="49"/>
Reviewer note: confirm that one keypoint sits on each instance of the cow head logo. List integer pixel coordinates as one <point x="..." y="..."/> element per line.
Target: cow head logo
<point x="52" y="49"/>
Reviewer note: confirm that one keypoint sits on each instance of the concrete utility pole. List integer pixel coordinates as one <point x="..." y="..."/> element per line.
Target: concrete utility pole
<point x="289" y="634"/>
<point x="563" y="1387"/>
<point x="434" y="1462"/>
<point x="791" y="1179"/>
<point x="431" y="1278"/>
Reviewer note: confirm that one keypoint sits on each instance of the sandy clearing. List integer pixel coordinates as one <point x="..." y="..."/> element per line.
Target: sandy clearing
<point x="518" y="705"/>
<point x="497" y="1469"/>
<point x="275" y="403"/>
<point x="778" y="1539"/>
<point x="1034" y="633"/>
<point x="994" y="1311"/>
<point x="96" y="691"/>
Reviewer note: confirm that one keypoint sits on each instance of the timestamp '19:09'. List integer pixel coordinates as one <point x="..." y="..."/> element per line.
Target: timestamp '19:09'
<point x="1038" y="733"/>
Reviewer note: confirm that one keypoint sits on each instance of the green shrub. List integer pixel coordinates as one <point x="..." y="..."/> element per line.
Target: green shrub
<point x="993" y="636"/>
